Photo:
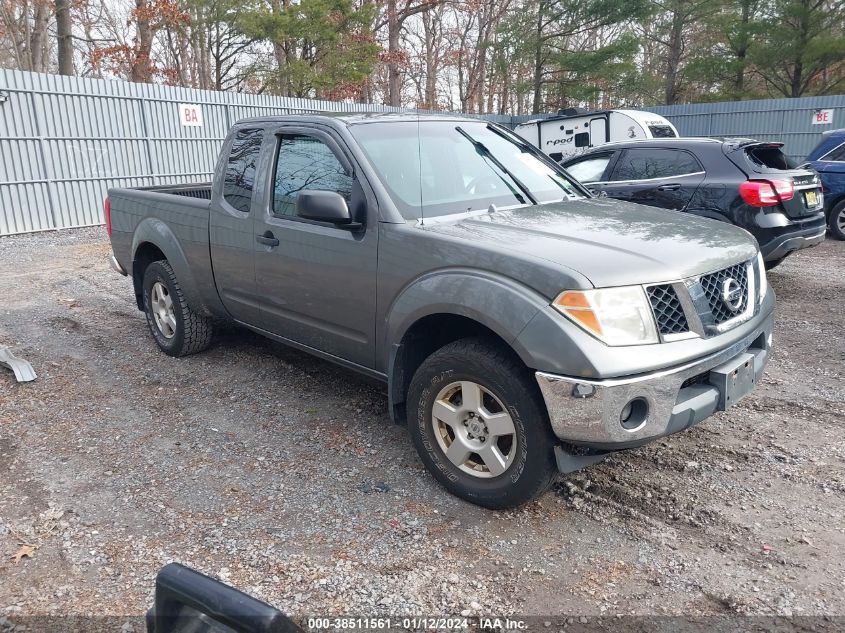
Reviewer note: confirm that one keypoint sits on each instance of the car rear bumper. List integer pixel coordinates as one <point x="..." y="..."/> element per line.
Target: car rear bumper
<point x="786" y="245"/>
<point x="589" y="413"/>
<point x="792" y="238"/>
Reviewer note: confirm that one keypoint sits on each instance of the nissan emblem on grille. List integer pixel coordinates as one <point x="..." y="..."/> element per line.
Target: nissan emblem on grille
<point x="732" y="294"/>
<point x="726" y="291"/>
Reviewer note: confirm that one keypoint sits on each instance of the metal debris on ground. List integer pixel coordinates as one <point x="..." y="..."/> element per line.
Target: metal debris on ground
<point x="22" y="369"/>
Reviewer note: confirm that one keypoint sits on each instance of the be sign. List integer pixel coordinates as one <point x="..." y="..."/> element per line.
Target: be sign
<point x="190" y="114"/>
<point x="823" y="117"/>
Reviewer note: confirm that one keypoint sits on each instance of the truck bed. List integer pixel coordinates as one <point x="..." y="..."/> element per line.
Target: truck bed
<point x="201" y="190"/>
<point x="176" y="214"/>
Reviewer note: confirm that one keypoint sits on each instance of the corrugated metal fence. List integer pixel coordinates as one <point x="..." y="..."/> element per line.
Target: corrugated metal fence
<point x="787" y="120"/>
<point x="64" y="140"/>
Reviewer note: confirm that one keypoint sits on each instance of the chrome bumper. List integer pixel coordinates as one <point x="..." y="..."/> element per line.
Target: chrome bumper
<point x="589" y="413"/>
<point x="115" y="266"/>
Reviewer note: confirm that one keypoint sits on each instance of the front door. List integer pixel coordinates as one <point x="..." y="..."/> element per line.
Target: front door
<point x="317" y="281"/>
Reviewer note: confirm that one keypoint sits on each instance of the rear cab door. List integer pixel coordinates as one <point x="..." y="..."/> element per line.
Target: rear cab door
<point x="662" y="177"/>
<point x="230" y="231"/>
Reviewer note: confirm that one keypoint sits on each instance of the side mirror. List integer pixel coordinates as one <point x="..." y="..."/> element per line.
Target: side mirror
<point x="187" y="601"/>
<point x="324" y="206"/>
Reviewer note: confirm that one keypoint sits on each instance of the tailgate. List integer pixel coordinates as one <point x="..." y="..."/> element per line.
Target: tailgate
<point x="766" y="161"/>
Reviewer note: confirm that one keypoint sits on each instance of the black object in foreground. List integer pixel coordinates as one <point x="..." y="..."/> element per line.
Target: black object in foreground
<point x="187" y="601"/>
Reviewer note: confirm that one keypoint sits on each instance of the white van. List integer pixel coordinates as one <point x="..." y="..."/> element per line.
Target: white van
<point x="575" y="130"/>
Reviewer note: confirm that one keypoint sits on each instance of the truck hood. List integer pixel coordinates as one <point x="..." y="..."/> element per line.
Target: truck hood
<point x="610" y="242"/>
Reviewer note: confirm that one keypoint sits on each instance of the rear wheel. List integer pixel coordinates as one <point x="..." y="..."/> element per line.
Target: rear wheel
<point x="836" y="221"/>
<point x="176" y="328"/>
<point x="479" y="425"/>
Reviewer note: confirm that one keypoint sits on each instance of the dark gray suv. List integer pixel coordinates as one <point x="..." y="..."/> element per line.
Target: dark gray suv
<point x="745" y="182"/>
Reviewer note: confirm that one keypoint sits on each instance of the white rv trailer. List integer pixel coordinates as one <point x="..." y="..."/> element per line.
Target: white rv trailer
<point x="574" y="130"/>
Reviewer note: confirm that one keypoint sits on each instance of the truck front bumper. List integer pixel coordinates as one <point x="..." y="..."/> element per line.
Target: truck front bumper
<point x="618" y="413"/>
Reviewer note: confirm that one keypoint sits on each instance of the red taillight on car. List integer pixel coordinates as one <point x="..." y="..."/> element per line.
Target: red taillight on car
<point x="766" y="193"/>
<point x="108" y="216"/>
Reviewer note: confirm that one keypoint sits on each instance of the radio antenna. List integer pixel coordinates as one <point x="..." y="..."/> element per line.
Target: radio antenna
<point x="419" y="167"/>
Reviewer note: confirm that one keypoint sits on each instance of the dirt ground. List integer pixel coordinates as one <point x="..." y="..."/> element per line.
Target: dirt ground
<point x="282" y="475"/>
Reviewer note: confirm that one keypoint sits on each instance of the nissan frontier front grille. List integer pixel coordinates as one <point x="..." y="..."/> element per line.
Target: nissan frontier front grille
<point x="703" y="306"/>
<point x="726" y="291"/>
<point x="668" y="311"/>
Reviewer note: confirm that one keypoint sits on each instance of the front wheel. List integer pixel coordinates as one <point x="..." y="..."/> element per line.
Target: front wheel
<point x="836" y="221"/>
<point x="176" y="327"/>
<point x="479" y="426"/>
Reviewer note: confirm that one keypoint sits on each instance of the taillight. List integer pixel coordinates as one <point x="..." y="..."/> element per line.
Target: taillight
<point x="766" y="193"/>
<point x="784" y="188"/>
<point x="108" y="216"/>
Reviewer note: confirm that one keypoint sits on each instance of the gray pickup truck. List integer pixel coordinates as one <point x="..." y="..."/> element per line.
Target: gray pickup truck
<point x="523" y="326"/>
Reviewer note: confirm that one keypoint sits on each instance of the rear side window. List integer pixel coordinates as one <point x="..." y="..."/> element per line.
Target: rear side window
<point x="768" y="157"/>
<point x="306" y="162"/>
<point x="240" y="169"/>
<point x="661" y="131"/>
<point x="650" y="163"/>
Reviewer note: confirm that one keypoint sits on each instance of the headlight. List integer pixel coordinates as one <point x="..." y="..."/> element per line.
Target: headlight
<point x="616" y="316"/>
<point x="764" y="284"/>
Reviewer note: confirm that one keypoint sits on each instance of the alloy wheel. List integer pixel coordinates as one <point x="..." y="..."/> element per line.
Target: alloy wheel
<point x="161" y="305"/>
<point x="474" y="429"/>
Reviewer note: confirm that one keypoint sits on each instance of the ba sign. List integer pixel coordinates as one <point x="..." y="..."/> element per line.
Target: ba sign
<point x="190" y="115"/>
<point x="823" y="117"/>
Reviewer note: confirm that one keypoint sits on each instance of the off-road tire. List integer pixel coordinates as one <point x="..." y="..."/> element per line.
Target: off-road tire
<point x="193" y="332"/>
<point x="833" y="222"/>
<point x="497" y="370"/>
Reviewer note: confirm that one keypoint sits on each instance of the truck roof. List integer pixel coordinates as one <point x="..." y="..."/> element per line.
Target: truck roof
<point x="353" y="118"/>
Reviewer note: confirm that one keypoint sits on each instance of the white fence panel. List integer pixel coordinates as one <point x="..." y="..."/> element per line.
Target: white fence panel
<point x="64" y="141"/>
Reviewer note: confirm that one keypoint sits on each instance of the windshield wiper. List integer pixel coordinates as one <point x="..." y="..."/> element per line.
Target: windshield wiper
<point x="484" y="152"/>
<point x="528" y="148"/>
<point x="525" y="146"/>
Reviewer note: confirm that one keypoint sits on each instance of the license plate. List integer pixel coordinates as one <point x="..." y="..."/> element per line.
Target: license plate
<point x="735" y="379"/>
<point x="811" y="198"/>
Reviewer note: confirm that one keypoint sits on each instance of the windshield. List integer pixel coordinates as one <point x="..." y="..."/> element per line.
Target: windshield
<point x="443" y="167"/>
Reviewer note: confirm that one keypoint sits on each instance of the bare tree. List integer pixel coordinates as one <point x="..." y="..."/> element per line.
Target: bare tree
<point x="26" y="24"/>
<point x="64" y="37"/>
<point x="396" y="12"/>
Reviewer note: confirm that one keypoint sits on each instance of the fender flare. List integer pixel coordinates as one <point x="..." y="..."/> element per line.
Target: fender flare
<point x="156" y="232"/>
<point x="499" y="303"/>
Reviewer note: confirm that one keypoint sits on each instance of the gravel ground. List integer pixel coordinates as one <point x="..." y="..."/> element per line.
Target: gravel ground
<point x="282" y="475"/>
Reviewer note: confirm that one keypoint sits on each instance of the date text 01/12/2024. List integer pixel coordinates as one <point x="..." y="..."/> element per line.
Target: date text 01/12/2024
<point x="414" y="623"/>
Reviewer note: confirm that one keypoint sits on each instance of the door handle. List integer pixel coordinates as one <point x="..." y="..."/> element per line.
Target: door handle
<point x="672" y="187"/>
<point x="268" y="239"/>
